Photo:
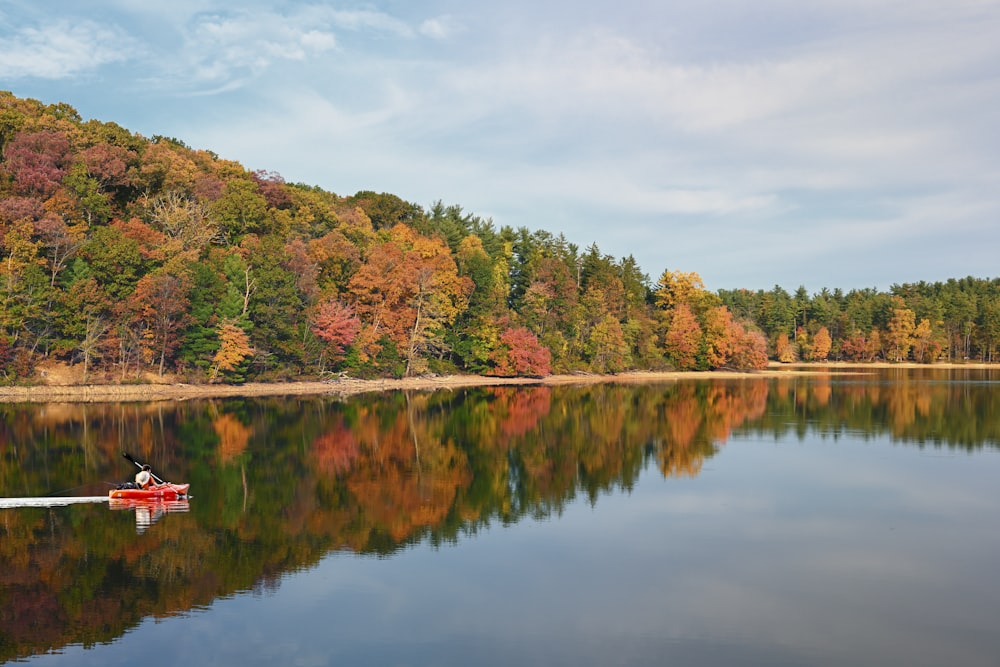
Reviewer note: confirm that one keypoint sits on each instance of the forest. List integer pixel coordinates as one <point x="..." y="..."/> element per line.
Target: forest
<point x="126" y="257"/>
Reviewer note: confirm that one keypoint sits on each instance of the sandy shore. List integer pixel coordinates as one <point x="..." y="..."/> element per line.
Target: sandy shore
<point x="54" y="393"/>
<point x="343" y="387"/>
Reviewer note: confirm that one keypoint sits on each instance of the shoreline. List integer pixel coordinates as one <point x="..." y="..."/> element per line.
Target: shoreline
<point x="339" y="388"/>
<point x="69" y="393"/>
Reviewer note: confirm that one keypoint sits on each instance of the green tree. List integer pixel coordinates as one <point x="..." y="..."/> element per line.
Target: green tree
<point x="240" y="210"/>
<point x="114" y="261"/>
<point x="386" y="210"/>
<point x="269" y="293"/>
<point x="476" y="331"/>
<point x="608" y="348"/>
<point x="777" y="312"/>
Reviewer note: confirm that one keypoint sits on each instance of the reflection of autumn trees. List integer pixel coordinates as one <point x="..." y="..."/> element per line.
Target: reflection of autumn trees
<point x="518" y="412"/>
<point x="70" y="577"/>
<point x="280" y="483"/>
<point x="233" y="436"/>
<point x="336" y="450"/>
<point x="79" y="446"/>
<point x="698" y="417"/>
<point x="406" y="477"/>
<point x="918" y="407"/>
<point x="450" y="464"/>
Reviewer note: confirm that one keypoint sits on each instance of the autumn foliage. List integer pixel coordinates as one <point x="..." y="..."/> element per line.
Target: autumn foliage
<point x="336" y="324"/>
<point x="520" y="354"/>
<point x="234" y="347"/>
<point x="134" y="257"/>
<point x="700" y="333"/>
<point x="682" y="340"/>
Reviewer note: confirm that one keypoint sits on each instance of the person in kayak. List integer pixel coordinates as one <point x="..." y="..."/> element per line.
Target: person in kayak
<point x="144" y="478"/>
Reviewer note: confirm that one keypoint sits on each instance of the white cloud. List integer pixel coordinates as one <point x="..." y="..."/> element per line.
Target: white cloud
<point x="440" y="27"/>
<point x="239" y="46"/>
<point x="606" y="74"/>
<point x="318" y="41"/>
<point x="225" y="47"/>
<point x="61" y="49"/>
<point x="361" y="20"/>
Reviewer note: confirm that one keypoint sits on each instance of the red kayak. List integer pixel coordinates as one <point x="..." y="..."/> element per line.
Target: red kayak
<point x="166" y="491"/>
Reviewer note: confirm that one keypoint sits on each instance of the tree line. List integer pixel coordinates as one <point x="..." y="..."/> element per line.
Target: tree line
<point x="956" y="320"/>
<point x="124" y="256"/>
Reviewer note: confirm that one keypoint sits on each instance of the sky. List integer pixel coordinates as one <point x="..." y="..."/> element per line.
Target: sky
<point x="844" y="144"/>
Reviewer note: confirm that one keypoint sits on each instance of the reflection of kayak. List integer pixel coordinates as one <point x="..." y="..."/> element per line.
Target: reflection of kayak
<point x="149" y="510"/>
<point x="166" y="491"/>
<point x="160" y="504"/>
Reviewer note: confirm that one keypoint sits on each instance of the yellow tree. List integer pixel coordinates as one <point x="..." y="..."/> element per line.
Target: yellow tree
<point x="873" y="346"/>
<point x="19" y="253"/>
<point x="784" y="351"/>
<point x="899" y="334"/>
<point x="335" y="258"/>
<point x="721" y="336"/>
<point x="481" y="323"/>
<point x="165" y="166"/>
<point x="927" y="345"/>
<point x="677" y="287"/>
<point x="62" y="231"/>
<point x="234" y="347"/>
<point x="821" y="344"/>
<point x="183" y="220"/>
<point x="803" y="343"/>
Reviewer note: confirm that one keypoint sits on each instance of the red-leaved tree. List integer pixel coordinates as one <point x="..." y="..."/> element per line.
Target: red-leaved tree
<point x="520" y="354"/>
<point x="336" y="324"/>
<point x="37" y="161"/>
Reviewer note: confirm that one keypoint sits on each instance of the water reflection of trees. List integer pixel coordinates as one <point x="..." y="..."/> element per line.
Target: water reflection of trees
<point x="280" y="483"/>
<point x="937" y="408"/>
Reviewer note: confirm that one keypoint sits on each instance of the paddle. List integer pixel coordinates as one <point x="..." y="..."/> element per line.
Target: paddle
<point x="139" y="465"/>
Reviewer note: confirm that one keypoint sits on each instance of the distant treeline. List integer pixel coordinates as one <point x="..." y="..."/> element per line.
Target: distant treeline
<point x="957" y="320"/>
<point x="123" y="256"/>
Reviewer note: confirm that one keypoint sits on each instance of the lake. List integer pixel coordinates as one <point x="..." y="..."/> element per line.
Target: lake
<point x="832" y="519"/>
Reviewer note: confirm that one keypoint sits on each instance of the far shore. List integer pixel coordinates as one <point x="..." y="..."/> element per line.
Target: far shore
<point x="113" y="393"/>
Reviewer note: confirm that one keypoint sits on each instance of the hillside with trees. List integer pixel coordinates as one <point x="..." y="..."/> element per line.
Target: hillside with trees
<point x="125" y="257"/>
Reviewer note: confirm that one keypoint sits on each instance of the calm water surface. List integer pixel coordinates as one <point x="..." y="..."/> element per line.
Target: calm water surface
<point x="832" y="520"/>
